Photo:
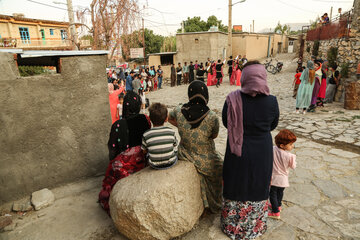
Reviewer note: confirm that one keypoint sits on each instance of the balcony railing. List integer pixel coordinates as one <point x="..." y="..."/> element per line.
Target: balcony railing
<point x="16" y="43"/>
<point x="339" y="27"/>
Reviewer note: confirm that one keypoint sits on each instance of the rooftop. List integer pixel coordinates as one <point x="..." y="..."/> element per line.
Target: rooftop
<point x="24" y="19"/>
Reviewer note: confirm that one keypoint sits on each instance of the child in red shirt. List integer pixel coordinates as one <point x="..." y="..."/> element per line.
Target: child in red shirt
<point x="297" y="81"/>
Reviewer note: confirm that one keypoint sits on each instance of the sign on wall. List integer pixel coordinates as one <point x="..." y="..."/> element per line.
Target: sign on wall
<point x="136" y="53"/>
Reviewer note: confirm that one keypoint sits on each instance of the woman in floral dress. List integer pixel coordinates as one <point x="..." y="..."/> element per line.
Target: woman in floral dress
<point x="198" y="126"/>
<point x="249" y="115"/>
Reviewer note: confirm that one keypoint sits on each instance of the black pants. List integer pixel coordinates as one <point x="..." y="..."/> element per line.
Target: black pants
<point x="179" y="79"/>
<point x="276" y="196"/>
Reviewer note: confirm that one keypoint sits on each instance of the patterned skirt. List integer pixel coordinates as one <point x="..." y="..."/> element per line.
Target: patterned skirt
<point x="244" y="220"/>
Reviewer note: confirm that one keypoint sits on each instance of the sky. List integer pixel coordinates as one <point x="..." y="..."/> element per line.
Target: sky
<point x="164" y="16"/>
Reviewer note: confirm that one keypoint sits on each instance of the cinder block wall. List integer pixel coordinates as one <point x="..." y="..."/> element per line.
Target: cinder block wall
<point x="54" y="128"/>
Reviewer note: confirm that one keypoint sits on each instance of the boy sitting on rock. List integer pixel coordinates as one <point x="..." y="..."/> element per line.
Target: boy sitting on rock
<point x="160" y="141"/>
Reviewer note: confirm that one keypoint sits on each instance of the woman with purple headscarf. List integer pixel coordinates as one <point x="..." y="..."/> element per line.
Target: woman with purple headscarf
<point x="249" y="114"/>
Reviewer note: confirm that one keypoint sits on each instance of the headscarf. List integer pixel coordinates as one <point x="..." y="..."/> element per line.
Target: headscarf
<point x="308" y="74"/>
<point x="196" y="109"/>
<point x="131" y="105"/>
<point x="119" y="134"/>
<point x="253" y="82"/>
<point x="111" y="88"/>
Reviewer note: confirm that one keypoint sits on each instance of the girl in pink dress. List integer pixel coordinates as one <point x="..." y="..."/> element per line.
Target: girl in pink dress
<point x="283" y="161"/>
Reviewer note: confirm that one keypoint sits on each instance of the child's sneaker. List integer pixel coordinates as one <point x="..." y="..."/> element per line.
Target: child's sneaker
<point x="270" y="207"/>
<point x="274" y="215"/>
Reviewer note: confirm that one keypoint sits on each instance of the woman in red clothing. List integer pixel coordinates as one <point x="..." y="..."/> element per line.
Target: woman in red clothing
<point x="114" y="100"/>
<point x="322" y="91"/>
<point x="238" y="75"/>
<point x="125" y="154"/>
<point x="211" y="80"/>
<point x="297" y="81"/>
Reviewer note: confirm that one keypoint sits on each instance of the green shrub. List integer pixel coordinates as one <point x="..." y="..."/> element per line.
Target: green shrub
<point x="31" y="70"/>
<point x="344" y="70"/>
<point x="332" y="55"/>
<point x="316" y="46"/>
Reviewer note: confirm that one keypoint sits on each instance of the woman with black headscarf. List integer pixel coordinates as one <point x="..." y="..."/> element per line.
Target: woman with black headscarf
<point x="125" y="154"/>
<point x="198" y="126"/>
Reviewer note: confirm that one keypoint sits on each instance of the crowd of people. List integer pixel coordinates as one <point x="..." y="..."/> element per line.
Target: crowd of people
<point x="211" y="72"/>
<point x="120" y="82"/>
<point x="315" y="84"/>
<point x="252" y="171"/>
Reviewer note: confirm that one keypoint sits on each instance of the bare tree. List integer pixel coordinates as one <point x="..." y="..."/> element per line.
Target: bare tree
<point x="110" y="19"/>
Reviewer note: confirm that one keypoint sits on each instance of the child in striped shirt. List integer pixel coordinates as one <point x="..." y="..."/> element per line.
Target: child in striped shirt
<point x="160" y="141"/>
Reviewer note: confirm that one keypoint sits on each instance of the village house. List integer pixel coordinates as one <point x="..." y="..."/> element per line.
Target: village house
<point x="213" y="44"/>
<point x="35" y="34"/>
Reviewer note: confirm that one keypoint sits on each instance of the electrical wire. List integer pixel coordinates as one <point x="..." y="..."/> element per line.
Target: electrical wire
<point x="48" y="5"/>
<point x="297" y="7"/>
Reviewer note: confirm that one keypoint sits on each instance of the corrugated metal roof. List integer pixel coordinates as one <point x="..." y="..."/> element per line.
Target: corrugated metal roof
<point x="43" y="53"/>
<point x="162" y="53"/>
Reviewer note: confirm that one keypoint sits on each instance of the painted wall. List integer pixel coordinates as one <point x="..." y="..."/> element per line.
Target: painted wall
<point x="11" y="30"/>
<point x="54" y="128"/>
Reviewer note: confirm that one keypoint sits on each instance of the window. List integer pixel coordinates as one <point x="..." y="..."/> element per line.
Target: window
<point x="51" y="31"/>
<point x="24" y="34"/>
<point x="63" y="34"/>
<point x="166" y="59"/>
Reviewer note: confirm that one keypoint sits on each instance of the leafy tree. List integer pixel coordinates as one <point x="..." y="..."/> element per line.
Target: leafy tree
<point x="196" y="24"/>
<point x="282" y="28"/>
<point x="153" y="42"/>
<point x="169" y="44"/>
<point x="213" y="21"/>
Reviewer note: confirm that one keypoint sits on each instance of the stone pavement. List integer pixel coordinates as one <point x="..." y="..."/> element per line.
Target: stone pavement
<point x="322" y="202"/>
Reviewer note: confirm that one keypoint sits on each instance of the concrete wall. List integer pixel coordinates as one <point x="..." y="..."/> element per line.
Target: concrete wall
<point x="54" y="128"/>
<point x="208" y="44"/>
<point x="256" y="46"/>
<point x="238" y="45"/>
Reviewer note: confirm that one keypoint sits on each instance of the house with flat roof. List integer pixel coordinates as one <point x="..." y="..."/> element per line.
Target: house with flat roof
<point x="18" y="31"/>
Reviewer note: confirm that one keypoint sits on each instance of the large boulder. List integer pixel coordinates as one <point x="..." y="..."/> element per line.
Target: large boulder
<point x="157" y="204"/>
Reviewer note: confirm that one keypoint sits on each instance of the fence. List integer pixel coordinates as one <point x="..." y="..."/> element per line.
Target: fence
<point x="339" y="27"/>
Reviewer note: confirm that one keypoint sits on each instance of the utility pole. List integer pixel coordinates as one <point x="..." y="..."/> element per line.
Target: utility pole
<point x="143" y="28"/>
<point x="72" y="24"/>
<point x="253" y="26"/>
<point x="331" y="9"/>
<point x="230" y="25"/>
<point x="230" y="29"/>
